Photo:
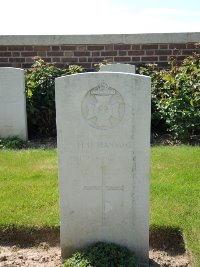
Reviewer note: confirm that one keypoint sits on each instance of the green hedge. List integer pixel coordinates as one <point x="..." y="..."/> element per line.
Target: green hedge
<point x="176" y="97"/>
<point x="40" y="96"/>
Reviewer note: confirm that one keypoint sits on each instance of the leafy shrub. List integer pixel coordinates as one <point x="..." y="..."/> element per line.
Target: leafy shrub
<point x="181" y="104"/>
<point x="40" y="94"/>
<point x="103" y="255"/>
<point x="11" y="143"/>
<point x="158" y="123"/>
<point x="176" y="96"/>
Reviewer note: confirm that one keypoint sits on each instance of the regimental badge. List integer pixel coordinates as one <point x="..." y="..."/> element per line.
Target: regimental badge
<point x="103" y="107"/>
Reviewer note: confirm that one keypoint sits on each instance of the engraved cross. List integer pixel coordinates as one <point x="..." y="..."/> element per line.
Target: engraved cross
<point x="103" y="187"/>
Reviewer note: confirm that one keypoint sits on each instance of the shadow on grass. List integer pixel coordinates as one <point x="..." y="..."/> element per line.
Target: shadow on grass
<point x="26" y="237"/>
<point x="161" y="238"/>
<point x="168" y="239"/>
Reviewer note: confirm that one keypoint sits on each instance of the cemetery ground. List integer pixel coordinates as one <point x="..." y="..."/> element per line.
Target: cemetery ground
<point x="30" y="212"/>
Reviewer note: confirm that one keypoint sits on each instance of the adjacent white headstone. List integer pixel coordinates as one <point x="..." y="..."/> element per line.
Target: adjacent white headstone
<point x="103" y="127"/>
<point x="118" y="67"/>
<point x="13" y="120"/>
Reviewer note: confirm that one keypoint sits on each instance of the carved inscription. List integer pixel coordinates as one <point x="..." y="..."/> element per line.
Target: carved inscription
<point x="102" y="144"/>
<point x="103" y="188"/>
<point x="103" y="107"/>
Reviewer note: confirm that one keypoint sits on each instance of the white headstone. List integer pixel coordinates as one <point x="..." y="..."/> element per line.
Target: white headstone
<point x="13" y="121"/>
<point x="103" y="127"/>
<point x="118" y="67"/>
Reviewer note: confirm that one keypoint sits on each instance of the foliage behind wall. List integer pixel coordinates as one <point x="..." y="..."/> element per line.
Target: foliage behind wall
<point x="175" y="97"/>
<point x="40" y="96"/>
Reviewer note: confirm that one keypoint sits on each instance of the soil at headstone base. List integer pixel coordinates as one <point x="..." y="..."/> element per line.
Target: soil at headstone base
<point x="44" y="255"/>
<point x="40" y="256"/>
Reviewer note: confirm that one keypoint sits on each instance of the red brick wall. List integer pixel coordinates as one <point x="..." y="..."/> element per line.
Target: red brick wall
<point x="87" y="55"/>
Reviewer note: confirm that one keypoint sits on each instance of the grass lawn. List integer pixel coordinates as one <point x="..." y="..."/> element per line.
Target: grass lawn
<point x="175" y="192"/>
<point x="29" y="190"/>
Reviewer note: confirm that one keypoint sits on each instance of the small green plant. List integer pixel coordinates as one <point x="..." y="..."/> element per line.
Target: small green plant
<point x="103" y="255"/>
<point x="11" y="143"/>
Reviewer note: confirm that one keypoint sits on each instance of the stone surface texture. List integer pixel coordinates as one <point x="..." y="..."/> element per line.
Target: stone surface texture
<point x="144" y="38"/>
<point x="128" y="68"/>
<point x="103" y="125"/>
<point x="13" y="121"/>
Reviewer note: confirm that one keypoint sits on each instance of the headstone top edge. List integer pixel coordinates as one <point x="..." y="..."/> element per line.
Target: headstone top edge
<point x="105" y="71"/>
<point x="101" y="73"/>
<point x="120" y="64"/>
<point x="11" y="68"/>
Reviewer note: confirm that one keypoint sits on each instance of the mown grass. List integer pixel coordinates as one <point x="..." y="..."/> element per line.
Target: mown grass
<point x="29" y="190"/>
<point x="175" y="192"/>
